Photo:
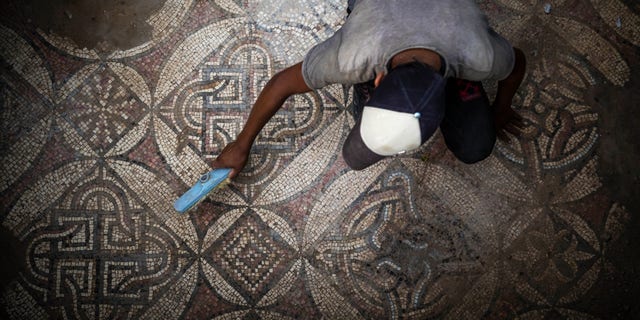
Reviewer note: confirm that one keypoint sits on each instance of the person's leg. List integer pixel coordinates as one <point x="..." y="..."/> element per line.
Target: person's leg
<point x="468" y="125"/>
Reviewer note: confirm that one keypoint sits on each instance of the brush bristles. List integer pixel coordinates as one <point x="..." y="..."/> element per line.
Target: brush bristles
<point x="221" y="185"/>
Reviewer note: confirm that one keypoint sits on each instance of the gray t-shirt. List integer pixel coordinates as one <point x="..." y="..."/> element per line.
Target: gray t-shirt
<point x="377" y="30"/>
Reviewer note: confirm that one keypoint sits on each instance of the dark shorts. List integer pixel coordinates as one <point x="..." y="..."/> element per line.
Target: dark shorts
<point x="468" y="124"/>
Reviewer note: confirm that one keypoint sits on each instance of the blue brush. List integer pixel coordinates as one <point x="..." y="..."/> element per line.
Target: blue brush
<point x="208" y="182"/>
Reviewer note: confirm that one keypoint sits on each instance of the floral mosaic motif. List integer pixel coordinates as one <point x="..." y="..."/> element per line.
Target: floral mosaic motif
<point x="563" y="262"/>
<point x="103" y="109"/>
<point x="557" y="256"/>
<point x="559" y="128"/>
<point x="112" y="140"/>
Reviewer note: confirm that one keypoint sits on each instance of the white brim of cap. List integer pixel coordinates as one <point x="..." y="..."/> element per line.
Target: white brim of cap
<point x="388" y="132"/>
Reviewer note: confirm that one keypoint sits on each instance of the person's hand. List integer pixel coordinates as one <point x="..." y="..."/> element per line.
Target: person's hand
<point x="233" y="156"/>
<point x="507" y="120"/>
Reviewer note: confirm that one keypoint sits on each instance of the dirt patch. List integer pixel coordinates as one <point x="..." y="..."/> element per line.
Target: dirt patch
<point x="619" y="148"/>
<point x="619" y="152"/>
<point x="102" y="25"/>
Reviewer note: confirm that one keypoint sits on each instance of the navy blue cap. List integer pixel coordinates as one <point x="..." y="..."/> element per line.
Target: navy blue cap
<point x="403" y="112"/>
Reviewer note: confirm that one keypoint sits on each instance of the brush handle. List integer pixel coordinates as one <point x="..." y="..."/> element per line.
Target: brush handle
<point x="207" y="182"/>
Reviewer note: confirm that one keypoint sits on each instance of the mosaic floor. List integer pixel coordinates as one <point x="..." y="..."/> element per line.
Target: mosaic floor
<point x="96" y="144"/>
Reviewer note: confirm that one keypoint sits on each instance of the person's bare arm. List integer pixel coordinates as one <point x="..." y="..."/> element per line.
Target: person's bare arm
<point x="506" y="118"/>
<point x="281" y="86"/>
